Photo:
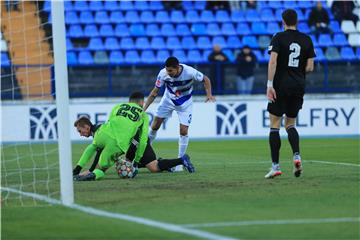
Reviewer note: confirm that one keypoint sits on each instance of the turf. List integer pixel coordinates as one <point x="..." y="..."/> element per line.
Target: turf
<point x="229" y="186"/>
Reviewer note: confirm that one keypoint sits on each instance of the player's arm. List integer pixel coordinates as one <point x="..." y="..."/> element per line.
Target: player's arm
<point x="153" y="94"/>
<point x="207" y="86"/>
<point x="309" y="65"/>
<point x="270" y="92"/>
<point x="85" y="158"/>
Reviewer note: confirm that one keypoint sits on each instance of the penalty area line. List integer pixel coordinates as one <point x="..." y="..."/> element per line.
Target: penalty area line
<point x="334" y="163"/>
<point x="139" y="220"/>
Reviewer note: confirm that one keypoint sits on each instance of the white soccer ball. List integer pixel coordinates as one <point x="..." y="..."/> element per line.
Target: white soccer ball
<point x="124" y="169"/>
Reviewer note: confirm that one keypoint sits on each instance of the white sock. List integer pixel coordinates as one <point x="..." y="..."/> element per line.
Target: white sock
<point x="152" y="135"/>
<point x="183" y="144"/>
<point x="275" y="166"/>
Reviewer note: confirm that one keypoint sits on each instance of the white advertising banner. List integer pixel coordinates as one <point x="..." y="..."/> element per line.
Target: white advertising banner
<point x="223" y="119"/>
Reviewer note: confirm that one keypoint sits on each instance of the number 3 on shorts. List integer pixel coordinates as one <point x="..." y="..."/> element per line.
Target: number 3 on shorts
<point x="189" y="120"/>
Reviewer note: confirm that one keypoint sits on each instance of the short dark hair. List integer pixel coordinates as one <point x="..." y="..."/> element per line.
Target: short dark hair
<point x="136" y="97"/>
<point x="172" y="62"/>
<point x="82" y="121"/>
<point x="290" y="17"/>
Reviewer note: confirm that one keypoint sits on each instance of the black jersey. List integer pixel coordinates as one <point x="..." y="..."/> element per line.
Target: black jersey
<point x="293" y="49"/>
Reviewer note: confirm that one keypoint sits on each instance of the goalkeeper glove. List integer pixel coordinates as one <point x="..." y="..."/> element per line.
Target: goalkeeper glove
<point x="77" y="170"/>
<point x="135" y="169"/>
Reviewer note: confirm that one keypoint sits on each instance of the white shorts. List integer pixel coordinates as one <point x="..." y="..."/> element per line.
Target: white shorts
<point x="184" y="111"/>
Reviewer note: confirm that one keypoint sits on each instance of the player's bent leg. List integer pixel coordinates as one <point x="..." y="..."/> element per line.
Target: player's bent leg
<point x="166" y="164"/>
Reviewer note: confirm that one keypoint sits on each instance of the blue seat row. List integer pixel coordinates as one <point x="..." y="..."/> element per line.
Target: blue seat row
<point x="5" y="61"/>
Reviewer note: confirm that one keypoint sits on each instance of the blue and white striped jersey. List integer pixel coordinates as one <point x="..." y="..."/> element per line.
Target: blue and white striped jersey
<point x="179" y="89"/>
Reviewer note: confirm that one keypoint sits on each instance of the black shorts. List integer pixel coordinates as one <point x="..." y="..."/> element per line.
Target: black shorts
<point x="148" y="157"/>
<point x="286" y="104"/>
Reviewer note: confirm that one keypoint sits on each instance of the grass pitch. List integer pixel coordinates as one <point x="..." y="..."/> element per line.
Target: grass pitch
<point x="228" y="190"/>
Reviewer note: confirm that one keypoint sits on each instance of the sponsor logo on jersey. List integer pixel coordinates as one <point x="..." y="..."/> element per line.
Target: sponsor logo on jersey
<point x="43" y="123"/>
<point x="231" y="119"/>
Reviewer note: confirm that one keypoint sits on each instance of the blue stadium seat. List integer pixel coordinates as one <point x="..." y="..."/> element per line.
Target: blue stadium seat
<point x="204" y="43"/>
<point x="80" y="6"/>
<point x="116" y="57"/>
<point x="158" y="43"/>
<point x="106" y="30"/>
<point x="222" y="16"/>
<point x="137" y="30"/>
<point x="162" y="55"/>
<point x="121" y="30"/>
<point x="69" y="45"/>
<point x="250" y="41"/>
<point x="141" y="5"/>
<point x="180" y="54"/>
<point x="152" y="30"/>
<point x="47" y="6"/>
<point x="187" y="5"/>
<point x="101" y="57"/>
<point x="156" y="5"/>
<point x="192" y="16"/>
<point x="162" y="17"/>
<point x="111" y="5"/>
<point x="86" y="17"/>
<point x="230" y="55"/>
<point x="340" y="40"/>
<point x="173" y="43"/>
<point x="325" y="40"/>
<point x="71" y="58"/>
<point x="243" y="29"/>
<point x="307" y="13"/>
<point x="116" y="17"/>
<point x="258" y="28"/>
<point x="147" y="17"/>
<point x="5" y="61"/>
<point x="198" y="29"/>
<point x="213" y="29"/>
<point x="314" y="40"/>
<point x="305" y="4"/>
<point x="304" y="27"/>
<point x="95" y="44"/>
<point x="275" y="4"/>
<point x="278" y="13"/>
<point x="71" y="18"/>
<point x="148" y="56"/>
<point x="132" y="17"/>
<point x="111" y="43"/>
<point x="264" y="41"/>
<point x="228" y="29"/>
<point x="319" y="55"/>
<point x="194" y="56"/>
<point x="332" y="54"/>
<point x="259" y="55"/>
<point x="199" y="5"/>
<point x="101" y="17"/>
<point x="91" y="31"/>
<point x="168" y="29"/>
<point x="126" y="6"/>
<point x="252" y="16"/>
<point x="300" y="14"/>
<point x="67" y="6"/>
<point x="272" y="27"/>
<point x="237" y="16"/>
<point x="142" y="43"/>
<point x="267" y="15"/>
<point x="347" y="53"/>
<point x="266" y="55"/>
<point x="206" y="54"/>
<point x="233" y="42"/>
<point x="188" y="43"/>
<point x="132" y="56"/>
<point x="335" y="26"/>
<point x="127" y="43"/>
<point x="182" y="30"/>
<point x="85" y="58"/>
<point x="290" y="4"/>
<point x="177" y="16"/>
<point x="75" y="31"/>
<point x="94" y="5"/>
<point x="218" y="40"/>
<point x="207" y="16"/>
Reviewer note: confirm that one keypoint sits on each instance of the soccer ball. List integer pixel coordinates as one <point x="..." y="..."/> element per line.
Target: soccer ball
<point x="124" y="169"/>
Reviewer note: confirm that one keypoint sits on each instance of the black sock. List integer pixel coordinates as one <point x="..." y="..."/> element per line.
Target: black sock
<point x="275" y="144"/>
<point x="293" y="137"/>
<point x="165" y="164"/>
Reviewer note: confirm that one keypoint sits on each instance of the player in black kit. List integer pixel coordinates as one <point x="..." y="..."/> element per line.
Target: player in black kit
<point x="291" y="57"/>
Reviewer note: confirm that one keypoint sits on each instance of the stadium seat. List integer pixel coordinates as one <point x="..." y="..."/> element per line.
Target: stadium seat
<point x="199" y="5"/>
<point x="152" y="30"/>
<point x="275" y="4"/>
<point x="347" y="53"/>
<point x="121" y="30"/>
<point x="94" y="5"/>
<point x="68" y="6"/>
<point x="180" y="54"/>
<point x="222" y="16"/>
<point x="194" y="56"/>
<point x="182" y="30"/>
<point x="47" y="6"/>
<point x="70" y="56"/>
<point x="228" y="29"/>
<point x="101" y="17"/>
<point x="141" y="5"/>
<point x="301" y="16"/>
<point x="237" y="16"/>
<point x="290" y="4"/>
<point x="147" y="17"/>
<point x="106" y="30"/>
<point x="258" y="28"/>
<point x="157" y="43"/>
<point x="332" y="54"/>
<point x="168" y="29"/>
<point x="250" y="41"/>
<point x="142" y="43"/>
<point x="132" y="17"/>
<point x="126" y="6"/>
<point x="264" y="41"/>
<point x="162" y="17"/>
<point x="111" y="43"/>
<point x="335" y="26"/>
<point x="127" y="43"/>
<point x="325" y="40"/>
<point x="266" y="55"/>
<point x="91" y="31"/>
<point x="266" y="15"/>
<point x="354" y="39"/>
<point x="95" y="44"/>
<point x="155" y="5"/>
<point x="69" y="45"/>
<point x="71" y="18"/>
<point x="278" y="13"/>
<point x="229" y="54"/>
<point x="259" y="55"/>
<point x="358" y="53"/>
<point x="75" y="31"/>
<point x="137" y="30"/>
<point x="252" y="16"/>
<point x="80" y="6"/>
<point x="116" y="57"/>
<point x="173" y="43"/>
<point x="304" y="27"/>
<point x="116" y="17"/>
<point x="204" y="43"/>
<point x="198" y="29"/>
<point x="192" y="16"/>
<point x="207" y="16"/>
<point x="132" y="57"/>
<point x="86" y="17"/>
<point x="85" y="58"/>
<point x="213" y="29"/>
<point x="101" y="57"/>
<point x="111" y="5"/>
<point x="314" y="40"/>
<point x="148" y="56"/>
<point x="340" y="40"/>
<point x="319" y="55"/>
<point x="348" y="26"/>
<point x="162" y="55"/>
<point x="243" y="29"/>
<point x="187" y="5"/>
<point x="5" y="61"/>
<point x="305" y="4"/>
<point x="233" y="42"/>
<point x="188" y="43"/>
<point x="177" y="16"/>
<point x="218" y="40"/>
<point x="272" y="27"/>
<point x="206" y="54"/>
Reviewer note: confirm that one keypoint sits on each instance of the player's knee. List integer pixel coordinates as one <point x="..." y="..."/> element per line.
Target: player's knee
<point x="184" y="130"/>
<point x="153" y="166"/>
<point x="156" y="124"/>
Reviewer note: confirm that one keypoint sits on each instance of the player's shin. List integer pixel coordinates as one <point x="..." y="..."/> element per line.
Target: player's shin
<point x="152" y="135"/>
<point x="293" y="137"/>
<point x="275" y="144"/>
<point x="183" y="144"/>
<point x="166" y="164"/>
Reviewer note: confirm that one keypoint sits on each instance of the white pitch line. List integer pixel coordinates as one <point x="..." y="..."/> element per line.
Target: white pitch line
<point x="334" y="163"/>
<point x="273" y="222"/>
<point x="152" y="223"/>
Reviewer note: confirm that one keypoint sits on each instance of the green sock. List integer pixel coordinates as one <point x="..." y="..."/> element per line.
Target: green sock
<point x="98" y="174"/>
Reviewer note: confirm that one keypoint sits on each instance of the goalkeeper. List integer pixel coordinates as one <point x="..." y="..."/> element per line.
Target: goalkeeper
<point x="124" y="132"/>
